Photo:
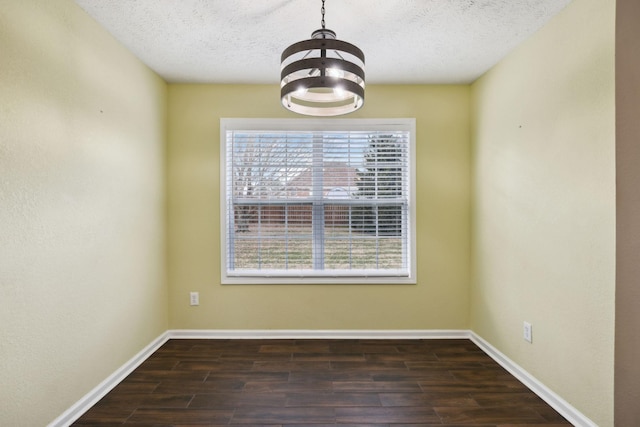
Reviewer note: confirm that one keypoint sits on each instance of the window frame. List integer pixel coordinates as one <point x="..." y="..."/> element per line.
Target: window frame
<point x="249" y="124"/>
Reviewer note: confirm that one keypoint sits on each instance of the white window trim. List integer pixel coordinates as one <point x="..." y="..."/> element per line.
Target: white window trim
<point x="349" y="276"/>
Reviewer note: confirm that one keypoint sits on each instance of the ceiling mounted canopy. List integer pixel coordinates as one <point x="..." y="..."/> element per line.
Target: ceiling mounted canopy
<point x="322" y="76"/>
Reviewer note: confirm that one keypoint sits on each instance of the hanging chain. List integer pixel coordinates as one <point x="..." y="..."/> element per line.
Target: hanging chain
<point x="322" y="11"/>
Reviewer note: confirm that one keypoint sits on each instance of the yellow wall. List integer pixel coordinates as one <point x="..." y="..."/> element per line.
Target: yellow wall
<point x="82" y="280"/>
<point x="544" y="208"/>
<point x="438" y="301"/>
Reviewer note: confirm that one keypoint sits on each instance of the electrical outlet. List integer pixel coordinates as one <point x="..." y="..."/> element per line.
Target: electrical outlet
<point x="527" y="332"/>
<point x="194" y="298"/>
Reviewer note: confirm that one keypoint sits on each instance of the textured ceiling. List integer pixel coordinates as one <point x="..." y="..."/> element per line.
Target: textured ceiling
<point x="240" y="41"/>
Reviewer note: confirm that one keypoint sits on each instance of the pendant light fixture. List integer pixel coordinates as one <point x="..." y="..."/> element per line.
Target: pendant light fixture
<point x="322" y="76"/>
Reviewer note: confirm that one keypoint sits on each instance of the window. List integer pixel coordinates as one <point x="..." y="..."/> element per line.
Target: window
<point x="325" y="201"/>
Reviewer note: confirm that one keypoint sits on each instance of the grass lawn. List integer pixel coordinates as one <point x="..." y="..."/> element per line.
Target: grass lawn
<point x="273" y="247"/>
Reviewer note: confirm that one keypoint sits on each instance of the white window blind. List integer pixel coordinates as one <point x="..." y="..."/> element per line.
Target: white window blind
<point x="317" y="199"/>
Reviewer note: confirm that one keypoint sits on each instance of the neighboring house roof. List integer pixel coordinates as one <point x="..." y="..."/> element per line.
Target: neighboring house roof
<point x="339" y="179"/>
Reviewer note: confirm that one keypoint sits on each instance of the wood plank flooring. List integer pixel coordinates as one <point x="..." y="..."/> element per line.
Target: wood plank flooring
<point x="321" y="383"/>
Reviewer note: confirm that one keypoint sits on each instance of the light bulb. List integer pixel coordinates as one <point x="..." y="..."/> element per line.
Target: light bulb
<point x="335" y="72"/>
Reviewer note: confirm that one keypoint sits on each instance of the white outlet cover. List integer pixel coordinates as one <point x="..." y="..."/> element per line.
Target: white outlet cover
<point x="194" y="298"/>
<point x="527" y="332"/>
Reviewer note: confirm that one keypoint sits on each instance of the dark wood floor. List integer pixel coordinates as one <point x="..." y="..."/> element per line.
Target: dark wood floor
<point x="321" y="382"/>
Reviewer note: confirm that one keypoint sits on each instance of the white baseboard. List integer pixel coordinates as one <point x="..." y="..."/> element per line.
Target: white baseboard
<point x="563" y="407"/>
<point x="91" y="398"/>
<point x="317" y="334"/>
